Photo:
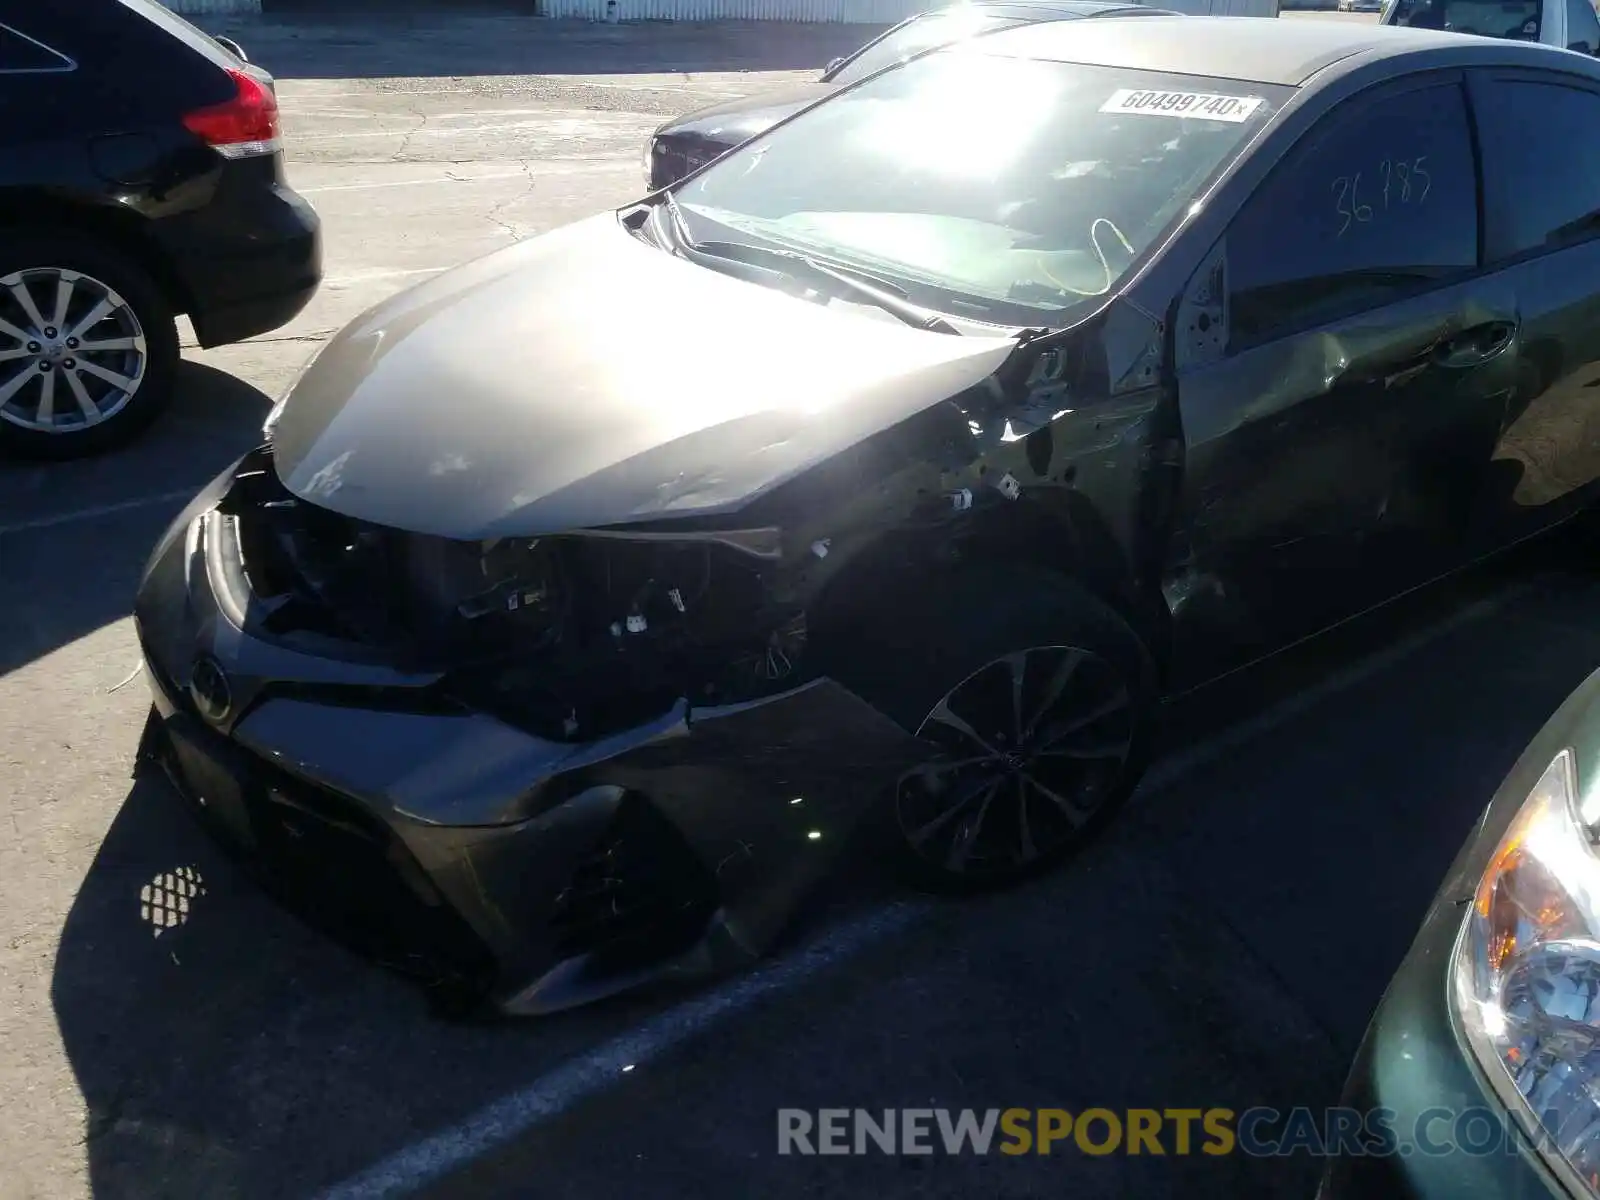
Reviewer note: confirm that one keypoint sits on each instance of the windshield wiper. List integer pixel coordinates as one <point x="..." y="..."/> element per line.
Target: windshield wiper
<point x="878" y="292"/>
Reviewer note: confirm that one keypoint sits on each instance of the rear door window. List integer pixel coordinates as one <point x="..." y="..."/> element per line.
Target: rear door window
<point x="1544" y="182"/>
<point x="1379" y="201"/>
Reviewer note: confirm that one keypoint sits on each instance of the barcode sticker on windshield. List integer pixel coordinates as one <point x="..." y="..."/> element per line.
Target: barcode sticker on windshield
<point x="1208" y="106"/>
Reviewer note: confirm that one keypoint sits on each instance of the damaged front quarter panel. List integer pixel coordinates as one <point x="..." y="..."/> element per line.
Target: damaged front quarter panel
<point x="1068" y="456"/>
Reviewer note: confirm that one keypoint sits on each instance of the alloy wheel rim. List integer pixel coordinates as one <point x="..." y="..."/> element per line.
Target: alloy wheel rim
<point x="1033" y="743"/>
<point x="72" y="351"/>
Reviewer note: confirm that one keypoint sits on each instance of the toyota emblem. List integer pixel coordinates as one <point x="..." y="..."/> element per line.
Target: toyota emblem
<point x="209" y="688"/>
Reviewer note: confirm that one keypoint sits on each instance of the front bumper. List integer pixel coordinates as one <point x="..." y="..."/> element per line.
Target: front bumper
<point x="537" y="874"/>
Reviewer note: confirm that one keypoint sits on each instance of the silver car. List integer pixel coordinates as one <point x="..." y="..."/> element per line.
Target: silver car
<point x="1571" y="24"/>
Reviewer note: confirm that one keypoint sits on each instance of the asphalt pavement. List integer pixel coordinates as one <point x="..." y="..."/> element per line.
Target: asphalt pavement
<point x="169" y="1033"/>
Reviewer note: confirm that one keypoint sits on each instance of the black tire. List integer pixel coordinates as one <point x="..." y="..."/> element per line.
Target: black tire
<point x="952" y="646"/>
<point x="40" y="251"/>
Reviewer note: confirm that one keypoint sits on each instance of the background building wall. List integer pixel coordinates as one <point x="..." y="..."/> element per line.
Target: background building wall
<point x="200" y="8"/>
<point x="860" y="12"/>
<point x="864" y="12"/>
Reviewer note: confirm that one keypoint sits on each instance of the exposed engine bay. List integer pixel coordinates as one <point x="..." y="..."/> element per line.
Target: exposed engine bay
<point x="569" y="637"/>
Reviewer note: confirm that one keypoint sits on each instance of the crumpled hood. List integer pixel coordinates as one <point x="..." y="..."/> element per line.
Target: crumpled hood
<point x="584" y="378"/>
<point x="735" y="121"/>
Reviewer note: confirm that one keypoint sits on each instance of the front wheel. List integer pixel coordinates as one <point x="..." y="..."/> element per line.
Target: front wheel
<point x="88" y="345"/>
<point x="1041" y="701"/>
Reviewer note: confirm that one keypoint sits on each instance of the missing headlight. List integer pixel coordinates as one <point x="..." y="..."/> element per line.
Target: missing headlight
<point x="571" y="636"/>
<point x="645" y="623"/>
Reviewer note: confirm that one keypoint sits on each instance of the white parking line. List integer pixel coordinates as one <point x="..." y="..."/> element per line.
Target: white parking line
<point x="340" y="111"/>
<point x="394" y="183"/>
<point x="296" y="87"/>
<point x="349" y="277"/>
<point x="367" y="114"/>
<point x="556" y="1092"/>
<point x="556" y="113"/>
<point x="544" y="165"/>
<point x="100" y="510"/>
<point x="598" y="128"/>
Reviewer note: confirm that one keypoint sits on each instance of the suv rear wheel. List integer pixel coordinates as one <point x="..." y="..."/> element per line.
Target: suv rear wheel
<point x="88" y="345"/>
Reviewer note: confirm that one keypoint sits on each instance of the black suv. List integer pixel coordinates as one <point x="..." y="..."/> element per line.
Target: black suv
<point x="141" y="177"/>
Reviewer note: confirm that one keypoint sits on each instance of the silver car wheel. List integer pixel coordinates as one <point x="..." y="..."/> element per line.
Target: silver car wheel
<point x="72" y="351"/>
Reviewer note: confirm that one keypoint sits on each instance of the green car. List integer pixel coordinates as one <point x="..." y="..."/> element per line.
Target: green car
<point x="1479" y="1075"/>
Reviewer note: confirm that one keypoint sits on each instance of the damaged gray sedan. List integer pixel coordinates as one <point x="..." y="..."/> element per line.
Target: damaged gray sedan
<point x="885" y="474"/>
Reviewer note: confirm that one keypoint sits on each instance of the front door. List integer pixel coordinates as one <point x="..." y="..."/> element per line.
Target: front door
<point x="1340" y="428"/>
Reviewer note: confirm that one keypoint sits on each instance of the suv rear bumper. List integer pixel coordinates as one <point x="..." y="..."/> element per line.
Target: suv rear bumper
<point x="250" y="260"/>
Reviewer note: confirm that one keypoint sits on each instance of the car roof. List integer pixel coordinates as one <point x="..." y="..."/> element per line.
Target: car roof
<point x="1038" y="10"/>
<point x="1257" y="49"/>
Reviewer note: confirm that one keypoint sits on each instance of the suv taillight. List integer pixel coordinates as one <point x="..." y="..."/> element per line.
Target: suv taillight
<point x="242" y="127"/>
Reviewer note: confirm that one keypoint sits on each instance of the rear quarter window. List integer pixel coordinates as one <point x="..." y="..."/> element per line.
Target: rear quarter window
<point x="177" y="28"/>
<point x="137" y="60"/>
<point x="21" y="54"/>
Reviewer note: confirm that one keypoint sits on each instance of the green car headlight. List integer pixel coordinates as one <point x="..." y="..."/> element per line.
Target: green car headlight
<point x="1526" y="986"/>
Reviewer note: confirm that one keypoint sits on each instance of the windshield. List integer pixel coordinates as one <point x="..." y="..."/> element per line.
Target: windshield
<point x="1516" y="19"/>
<point x="918" y="34"/>
<point x="993" y="187"/>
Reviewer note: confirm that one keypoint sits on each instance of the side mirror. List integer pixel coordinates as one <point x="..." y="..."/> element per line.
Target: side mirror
<point x="832" y="67"/>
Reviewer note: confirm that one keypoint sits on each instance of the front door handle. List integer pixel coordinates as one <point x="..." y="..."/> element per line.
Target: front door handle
<point x="1476" y="346"/>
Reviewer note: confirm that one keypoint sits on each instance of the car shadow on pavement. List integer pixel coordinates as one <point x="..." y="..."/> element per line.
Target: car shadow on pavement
<point x="74" y="535"/>
<point x="404" y="44"/>
<point x="224" y="1050"/>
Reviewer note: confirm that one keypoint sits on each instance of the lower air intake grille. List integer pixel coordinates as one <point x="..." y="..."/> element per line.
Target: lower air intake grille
<point x="641" y="891"/>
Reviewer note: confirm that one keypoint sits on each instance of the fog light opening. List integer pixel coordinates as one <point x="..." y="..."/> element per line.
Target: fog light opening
<point x="167" y="901"/>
